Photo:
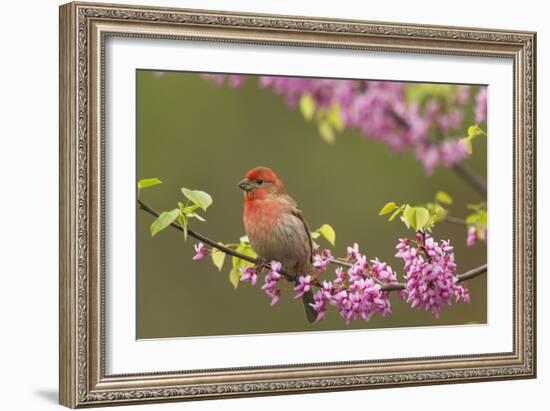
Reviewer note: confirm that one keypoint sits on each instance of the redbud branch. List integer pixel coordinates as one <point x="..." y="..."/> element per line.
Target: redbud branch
<point x="468" y="275"/>
<point x="473" y="179"/>
<point x="212" y="243"/>
<point x="341" y="263"/>
<point x="454" y="220"/>
<point x="292" y="276"/>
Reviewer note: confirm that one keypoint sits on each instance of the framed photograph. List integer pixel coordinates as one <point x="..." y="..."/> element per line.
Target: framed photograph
<point x="259" y="204"/>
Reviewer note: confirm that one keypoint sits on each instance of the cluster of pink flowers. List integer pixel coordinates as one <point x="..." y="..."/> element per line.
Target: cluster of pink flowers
<point x="322" y="260"/>
<point x="270" y="281"/>
<point x="471" y="238"/>
<point x="430" y="268"/>
<point x="475" y="234"/>
<point x="481" y="105"/>
<point x="249" y="274"/>
<point x="381" y="110"/>
<point x="355" y="292"/>
<point x="303" y="286"/>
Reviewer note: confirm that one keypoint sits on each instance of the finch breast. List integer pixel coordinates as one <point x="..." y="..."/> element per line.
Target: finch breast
<point x="282" y="238"/>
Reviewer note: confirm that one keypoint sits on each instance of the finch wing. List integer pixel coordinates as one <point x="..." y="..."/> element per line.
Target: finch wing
<point x="298" y="214"/>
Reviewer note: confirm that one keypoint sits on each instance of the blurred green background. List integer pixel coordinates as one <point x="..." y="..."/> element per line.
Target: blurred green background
<point x="193" y="133"/>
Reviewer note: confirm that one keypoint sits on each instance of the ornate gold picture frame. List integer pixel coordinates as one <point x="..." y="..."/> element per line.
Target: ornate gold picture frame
<point x="84" y="30"/>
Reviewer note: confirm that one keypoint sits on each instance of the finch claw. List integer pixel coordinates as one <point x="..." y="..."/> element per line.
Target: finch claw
<point x="260" y="265"/>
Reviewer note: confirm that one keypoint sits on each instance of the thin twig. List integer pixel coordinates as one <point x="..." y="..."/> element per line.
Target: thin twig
<point x="460" y="221"/>
<point x="473" y="179"/>
<point x="473" y="273"/>
<point x="454" y="220"/>
<point x="291" y="276"/>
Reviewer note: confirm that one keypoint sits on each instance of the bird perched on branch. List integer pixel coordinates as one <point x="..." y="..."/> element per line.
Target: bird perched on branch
<point x="276" y="226"/>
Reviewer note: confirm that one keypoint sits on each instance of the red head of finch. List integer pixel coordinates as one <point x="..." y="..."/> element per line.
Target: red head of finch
<point x="276" y="227"/>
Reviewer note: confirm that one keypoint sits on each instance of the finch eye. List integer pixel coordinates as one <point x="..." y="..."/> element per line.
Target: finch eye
<point x="259" y="182"/>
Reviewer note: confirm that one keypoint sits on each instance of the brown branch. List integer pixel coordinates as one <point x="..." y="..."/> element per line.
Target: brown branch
<point x="454" y="220"/>
<point x="470" y="177"/>
<point x="212" y="243"/>
<point x="468" y="275"/>
<point x="473" y="273"/>
<point x="290" y="276"/>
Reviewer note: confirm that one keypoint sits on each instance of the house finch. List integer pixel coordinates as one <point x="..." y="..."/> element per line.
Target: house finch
<point x="276" y="226"/>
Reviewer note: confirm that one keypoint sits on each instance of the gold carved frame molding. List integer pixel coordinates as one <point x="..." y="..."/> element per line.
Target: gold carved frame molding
<point x="84" y="28"/>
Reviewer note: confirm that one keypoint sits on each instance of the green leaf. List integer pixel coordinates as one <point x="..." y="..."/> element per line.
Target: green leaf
<point x="189" y="209"/>
<point x="467" y="142"/>
<point x="245" y="249"/>
<point x="326" y="132"/>
<point x="406" y="212"/>
<point x="472" y="219"/>
<point x="483" y="218"/>
<point x="307" y="106"/>
<point x="244" y="239"/>
<point x="238" y="264"/>
<point x="218" y="258"/>
<point x="416" y="217"/>
<point x="436" y="214"/>
<point x="475" y="131"/>
<point x="439" y="211"/>
<point x="397" y="212"/>
<point x="388" y="208"/>
<point x="235" y="277"/>
<point x="422" y="217"/>
<point x="328" y="232"/>
<point x="200" y="198"/>
<point x="315" y="235"/>
<point x="443" y="197"/>
<point x="164" y="220"/>
<point x="479" y="216"/>
<point x="148" y="182"/>
<point x="334" y="117"/>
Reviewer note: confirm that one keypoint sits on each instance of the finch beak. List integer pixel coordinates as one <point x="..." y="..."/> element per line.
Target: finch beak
<point x="245" y="185"/>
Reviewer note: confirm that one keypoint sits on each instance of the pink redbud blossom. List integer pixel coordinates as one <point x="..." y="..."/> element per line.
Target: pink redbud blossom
<point x="321" y="299"/>
<point x="270" y="282"/>
<point x="303" y="286"/>
<point x="472" y="237"/>
<point x="353" y="252"/>
<point x="249" y="274"/>
<point x="481" y="105"/>
<point x="475" y="234"/>
<point x="200" y="252"/>
<point x="321" y="261"/>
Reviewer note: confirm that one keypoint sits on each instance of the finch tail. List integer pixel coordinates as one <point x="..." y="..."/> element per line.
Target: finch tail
<point x="311" y="314"/>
